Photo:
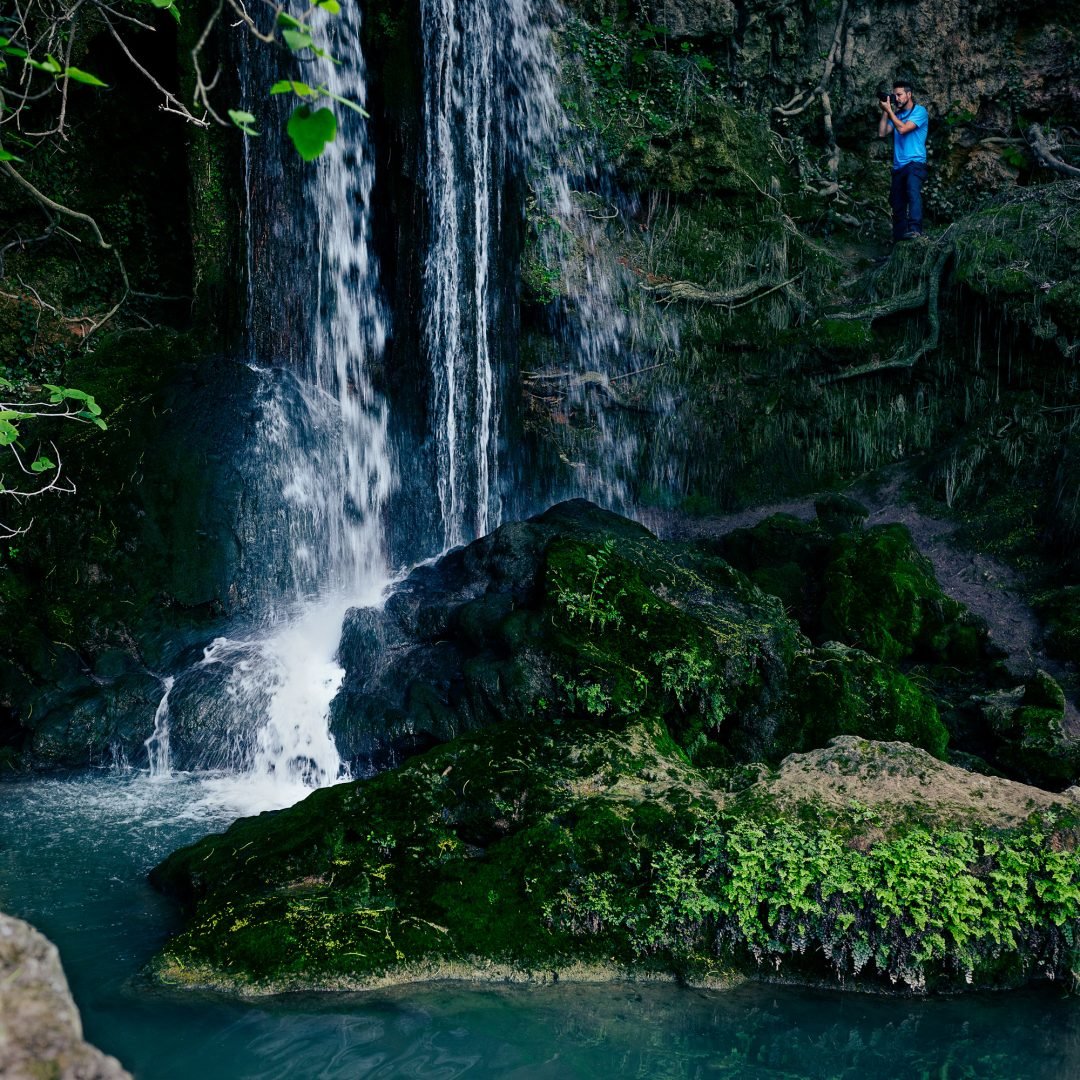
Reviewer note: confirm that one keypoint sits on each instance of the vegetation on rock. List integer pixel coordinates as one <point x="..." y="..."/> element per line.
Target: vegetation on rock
<point x="539" y="849"/>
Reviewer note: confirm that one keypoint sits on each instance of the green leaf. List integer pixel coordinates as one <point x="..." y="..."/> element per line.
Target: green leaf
<point x="297" y="39"/>
<point x="100" y="423"/>
<point x="52" y="64"/>
<point x="346" y="102"/>
<point x="6" y="155"/>
<point x="243" y="120"/>
<point x="286" y="86"/>
<point x="8" y="431"/>
<point x="162" y="3"/>
<point x="311" y="131"/>
<point x="329" y="5"/>
<point x="43" y="464"/>
<point x="83" y="77"/>
<point x="285" y="19"/>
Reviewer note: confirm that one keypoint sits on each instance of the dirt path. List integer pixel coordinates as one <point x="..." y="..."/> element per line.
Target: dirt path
<point x="988" y="587"/>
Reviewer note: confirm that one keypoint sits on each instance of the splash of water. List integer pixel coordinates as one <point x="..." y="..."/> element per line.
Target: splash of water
<point x="157" y="745"/>
<point x="321" y="472"/>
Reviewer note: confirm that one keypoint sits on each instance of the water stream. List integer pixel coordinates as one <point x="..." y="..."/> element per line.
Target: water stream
<point x="73" y="858"/>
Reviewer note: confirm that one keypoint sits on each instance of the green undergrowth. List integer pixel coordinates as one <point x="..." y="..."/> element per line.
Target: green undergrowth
<point x="659" y="108"/>
<point x="536" y="849"/>
<point x="683" y="639"/>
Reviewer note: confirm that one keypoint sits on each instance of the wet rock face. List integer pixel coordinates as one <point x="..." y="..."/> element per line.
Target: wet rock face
<point x="40" y="1029"/>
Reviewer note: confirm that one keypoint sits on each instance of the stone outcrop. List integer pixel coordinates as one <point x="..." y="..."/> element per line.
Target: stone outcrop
<point x="577" y="723"/>
<point x="40" y="1030"/>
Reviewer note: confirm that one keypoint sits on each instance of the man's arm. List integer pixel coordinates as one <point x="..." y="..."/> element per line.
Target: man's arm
<point x="883" y="123"/>
<point x="887" y="116"/>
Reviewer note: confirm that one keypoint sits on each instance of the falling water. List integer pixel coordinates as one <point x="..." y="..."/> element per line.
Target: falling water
<point x="492" y="117"/>
<point x="312" y="520"/>
<point x="463" y="107"/>
<point x="321" y="478"/>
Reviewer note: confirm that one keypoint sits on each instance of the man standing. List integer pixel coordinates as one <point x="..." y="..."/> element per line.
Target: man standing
<point x="908" y="123"/>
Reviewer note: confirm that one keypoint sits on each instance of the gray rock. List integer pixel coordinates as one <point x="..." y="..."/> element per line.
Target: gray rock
<point x="40" y="1030"/>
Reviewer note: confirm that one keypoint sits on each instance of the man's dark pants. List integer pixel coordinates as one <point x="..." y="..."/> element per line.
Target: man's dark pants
<point x="905" y="197"/>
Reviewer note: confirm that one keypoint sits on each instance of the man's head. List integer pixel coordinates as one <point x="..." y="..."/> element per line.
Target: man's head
<point x="905" y="94"/>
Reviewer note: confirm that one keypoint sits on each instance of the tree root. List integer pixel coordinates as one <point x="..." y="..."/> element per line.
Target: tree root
<point x="599" y="381"/>
<point x="928" y="292"/>
<point x="839" y="50"/>
<point x="1042" y="148"/>
<point x="670" y="291"/>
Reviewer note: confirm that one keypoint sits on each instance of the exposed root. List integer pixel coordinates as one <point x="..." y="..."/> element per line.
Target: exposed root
<point x="670" y="291"/>
<point x="1043" y="149"/>
<point x="595" y="380"/>
<point x="838" y="53"/>
<point x="927" y="293"/>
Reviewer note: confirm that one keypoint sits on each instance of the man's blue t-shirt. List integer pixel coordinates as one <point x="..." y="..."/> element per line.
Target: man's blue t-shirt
<point x="912" y="146"/>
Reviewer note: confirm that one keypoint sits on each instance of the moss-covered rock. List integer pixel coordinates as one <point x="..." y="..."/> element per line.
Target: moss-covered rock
<point x="1027" y="728"/>
<point x="881" y="595"/>
<point x="533" y="851"/>
<point x="786" y="557"/>
<point x="576" y="613"/>
<point x="844" y="691"/>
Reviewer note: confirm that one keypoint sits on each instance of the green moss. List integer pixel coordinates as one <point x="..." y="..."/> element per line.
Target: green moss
<point x="836" y="334"/>
<point x="688" y="641"/>
<point x="660" y="110"/>
<point x="842" y="691"/>
<point x="881" y="595"/>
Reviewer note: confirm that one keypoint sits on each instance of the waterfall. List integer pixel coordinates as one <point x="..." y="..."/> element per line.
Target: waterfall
<point x="257" y="702"/>
<point x="493" y="119"/>
<point x="321" y="475"/>
<point x="463" y="107"/>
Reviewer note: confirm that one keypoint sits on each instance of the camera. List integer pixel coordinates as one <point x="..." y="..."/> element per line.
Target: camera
<point x="884" y="95"/>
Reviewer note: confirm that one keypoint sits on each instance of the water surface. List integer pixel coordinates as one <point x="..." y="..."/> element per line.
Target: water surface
<point x="73" y="858"/>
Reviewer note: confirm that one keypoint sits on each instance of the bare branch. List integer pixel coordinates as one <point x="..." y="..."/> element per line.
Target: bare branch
<point x="177" y="106"/>
<point x="53" y="205"/>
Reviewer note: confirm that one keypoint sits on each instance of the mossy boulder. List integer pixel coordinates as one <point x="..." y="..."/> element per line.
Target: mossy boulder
<point x="881" y="595"/>
<point x="1044" y="752"/>
<point x="571" y="849"/>
<point x="844" y="691"/>
<point x="786" y="557"/>
<point x="576" y="612"/>
<point x="1027" y="726"/>
<point x="868" y="588"/>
